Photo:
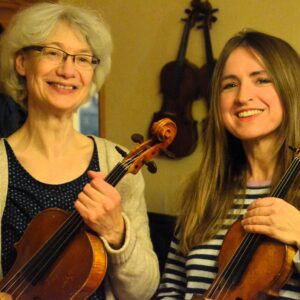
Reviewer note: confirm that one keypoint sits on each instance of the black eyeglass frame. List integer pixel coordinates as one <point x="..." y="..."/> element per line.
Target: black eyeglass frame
<point x="40" y="48"/>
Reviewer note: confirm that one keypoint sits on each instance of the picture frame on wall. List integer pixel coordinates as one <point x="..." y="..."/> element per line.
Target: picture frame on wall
<point x="89" y="119"/>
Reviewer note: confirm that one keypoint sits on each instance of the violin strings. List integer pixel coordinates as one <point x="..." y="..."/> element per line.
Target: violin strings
<point x="254" y="239"/>
<point x="227" y="274"/>
<point x="15" y="284"/>
<point x="35" y="262"/>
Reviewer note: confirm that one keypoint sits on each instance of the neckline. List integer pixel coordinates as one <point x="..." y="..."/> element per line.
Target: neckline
<point x="9" y="148"/>
<point x="258" y="183"/>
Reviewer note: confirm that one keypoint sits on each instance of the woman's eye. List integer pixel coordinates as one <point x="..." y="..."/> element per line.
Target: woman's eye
<point x="83" y="59"/>
<point x="229" y="85"/>
<point x="263" y="80"/>
<point x="52" y="53"/>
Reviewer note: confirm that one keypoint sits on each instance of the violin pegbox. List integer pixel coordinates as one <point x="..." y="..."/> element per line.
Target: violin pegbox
<point x="164" y="132"/>
<point x="206" y="12"/>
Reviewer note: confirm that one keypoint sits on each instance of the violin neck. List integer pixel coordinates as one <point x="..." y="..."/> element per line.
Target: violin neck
<point x="116" y="174"/>
<point x="208" y="49"/>
<point x="183" y="44"/>
<point x="287" y="179"/>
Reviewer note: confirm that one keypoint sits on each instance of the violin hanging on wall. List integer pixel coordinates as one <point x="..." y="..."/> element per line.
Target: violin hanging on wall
<point x="181" y="83"/>
<point x="206" y="71"/>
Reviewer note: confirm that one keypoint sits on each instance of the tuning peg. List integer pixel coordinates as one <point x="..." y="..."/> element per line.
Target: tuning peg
<point x="168" y="153"/>
<point x="294" y="149"/>
<point x="137" y="138"/>
<point x="151" y="166"/>
<point x="121" y="151"/>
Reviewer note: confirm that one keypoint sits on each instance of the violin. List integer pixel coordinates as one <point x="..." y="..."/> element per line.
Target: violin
<point x="179" y="86"/>
<point x="57" y="256"/>
<point x="206" y="71"/>
<point x="181" y="82"/>
<point x="254" y="266"/>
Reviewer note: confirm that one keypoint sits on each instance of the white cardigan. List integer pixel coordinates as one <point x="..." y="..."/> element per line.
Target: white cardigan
<point x="133" y="271"/>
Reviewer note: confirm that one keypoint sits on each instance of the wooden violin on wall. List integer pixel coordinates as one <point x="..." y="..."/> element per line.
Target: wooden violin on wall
<point x="182" y="82"/>
<point x="206" y="71"/>
<point x="57" y="257"/>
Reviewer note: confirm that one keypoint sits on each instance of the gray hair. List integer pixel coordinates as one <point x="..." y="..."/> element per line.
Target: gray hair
<point x="33" y="25"/>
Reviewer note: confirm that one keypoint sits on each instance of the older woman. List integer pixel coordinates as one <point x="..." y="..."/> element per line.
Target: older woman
<point x="53" y="57"/>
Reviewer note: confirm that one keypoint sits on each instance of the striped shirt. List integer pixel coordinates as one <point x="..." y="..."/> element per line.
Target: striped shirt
<point x="194" y="273"/>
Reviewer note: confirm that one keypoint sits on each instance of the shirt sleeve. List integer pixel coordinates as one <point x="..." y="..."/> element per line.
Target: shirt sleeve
<point x="133" y="270"/>
<point x="173" y="282"/>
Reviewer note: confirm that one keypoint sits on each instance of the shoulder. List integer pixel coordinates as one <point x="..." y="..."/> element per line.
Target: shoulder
<point x="107" y="153"/>
<point x="109" y="157"/>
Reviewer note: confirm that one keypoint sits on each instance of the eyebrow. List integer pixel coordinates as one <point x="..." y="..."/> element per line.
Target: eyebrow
<point x="252" y="74"/>
<point x="60" y="45"/>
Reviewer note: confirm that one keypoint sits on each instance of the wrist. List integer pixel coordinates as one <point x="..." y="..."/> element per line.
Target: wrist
<point x="117" y="238"/>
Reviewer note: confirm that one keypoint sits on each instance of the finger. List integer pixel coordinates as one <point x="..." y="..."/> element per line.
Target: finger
<point x="94" y="174"/>
<point x="105" y="188"/>
<point x="259" y="229"/>
<point x="256" y="220"/>
<point x="92" y="193"/>
<point x="261" y="202"/>
<point x="258" y="211"/>
<point x="85" y="199"/>
<point x="81" y="208"/>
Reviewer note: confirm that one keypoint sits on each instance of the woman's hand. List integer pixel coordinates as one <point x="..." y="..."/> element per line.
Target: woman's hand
<point x="4" y="296"/>
<point x="275" y="218"/>
<point x="99" y="204"/>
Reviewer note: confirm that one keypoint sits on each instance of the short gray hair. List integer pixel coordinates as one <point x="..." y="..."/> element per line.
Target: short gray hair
<point x="33" y="25"/>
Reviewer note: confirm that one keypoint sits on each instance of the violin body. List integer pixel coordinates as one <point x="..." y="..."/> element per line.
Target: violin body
<point x="77" y="272"/>
<point x="266" y="273"/>
<point x="179" y="85"/>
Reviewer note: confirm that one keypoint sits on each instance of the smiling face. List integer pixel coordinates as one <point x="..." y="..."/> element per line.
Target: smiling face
<point x="249" y="104"/>
<point x="56" y="87"/>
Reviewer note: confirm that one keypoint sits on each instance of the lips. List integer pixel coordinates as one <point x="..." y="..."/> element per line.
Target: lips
<point x="62" y="86"/>
<point x="249" y="113"/>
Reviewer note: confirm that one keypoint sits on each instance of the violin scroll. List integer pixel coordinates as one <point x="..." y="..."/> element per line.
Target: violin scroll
<point x="164" y="132"/>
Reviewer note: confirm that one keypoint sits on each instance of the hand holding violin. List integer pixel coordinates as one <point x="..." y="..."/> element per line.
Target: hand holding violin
<point x="99" y="204"/>
<point x="4" y="296"/>
<point x="275" y="218"/>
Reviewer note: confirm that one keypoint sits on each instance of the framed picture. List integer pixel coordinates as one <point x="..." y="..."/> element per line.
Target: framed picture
<point x="89" y="119"/>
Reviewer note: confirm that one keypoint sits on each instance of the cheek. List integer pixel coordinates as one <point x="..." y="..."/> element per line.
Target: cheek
<point x="225" y="106"/>
<point x="87" y="79"/>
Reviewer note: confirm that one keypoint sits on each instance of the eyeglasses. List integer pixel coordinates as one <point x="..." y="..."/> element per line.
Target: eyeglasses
<point x="57" y="56"/>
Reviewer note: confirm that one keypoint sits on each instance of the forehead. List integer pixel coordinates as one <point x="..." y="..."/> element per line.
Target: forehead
<point x="243" y="59"/>
<point x="68" y="36"/>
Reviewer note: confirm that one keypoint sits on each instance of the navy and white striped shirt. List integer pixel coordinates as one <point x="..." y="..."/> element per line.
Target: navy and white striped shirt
<point x="193" y="274"/>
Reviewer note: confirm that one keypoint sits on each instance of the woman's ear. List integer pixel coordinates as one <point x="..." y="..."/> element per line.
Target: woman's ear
<point x="20" y="64"/>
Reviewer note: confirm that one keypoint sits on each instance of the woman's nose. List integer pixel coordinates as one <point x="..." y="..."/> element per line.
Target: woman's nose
<point x="245" y="93"/>
<point x="67" y="67"/>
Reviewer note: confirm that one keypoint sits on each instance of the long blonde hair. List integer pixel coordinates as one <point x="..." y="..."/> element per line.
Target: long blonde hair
<point x="206" y="199"/>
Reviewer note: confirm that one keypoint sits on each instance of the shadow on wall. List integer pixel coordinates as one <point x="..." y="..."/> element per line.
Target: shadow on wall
<point x="161" y="231"/>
